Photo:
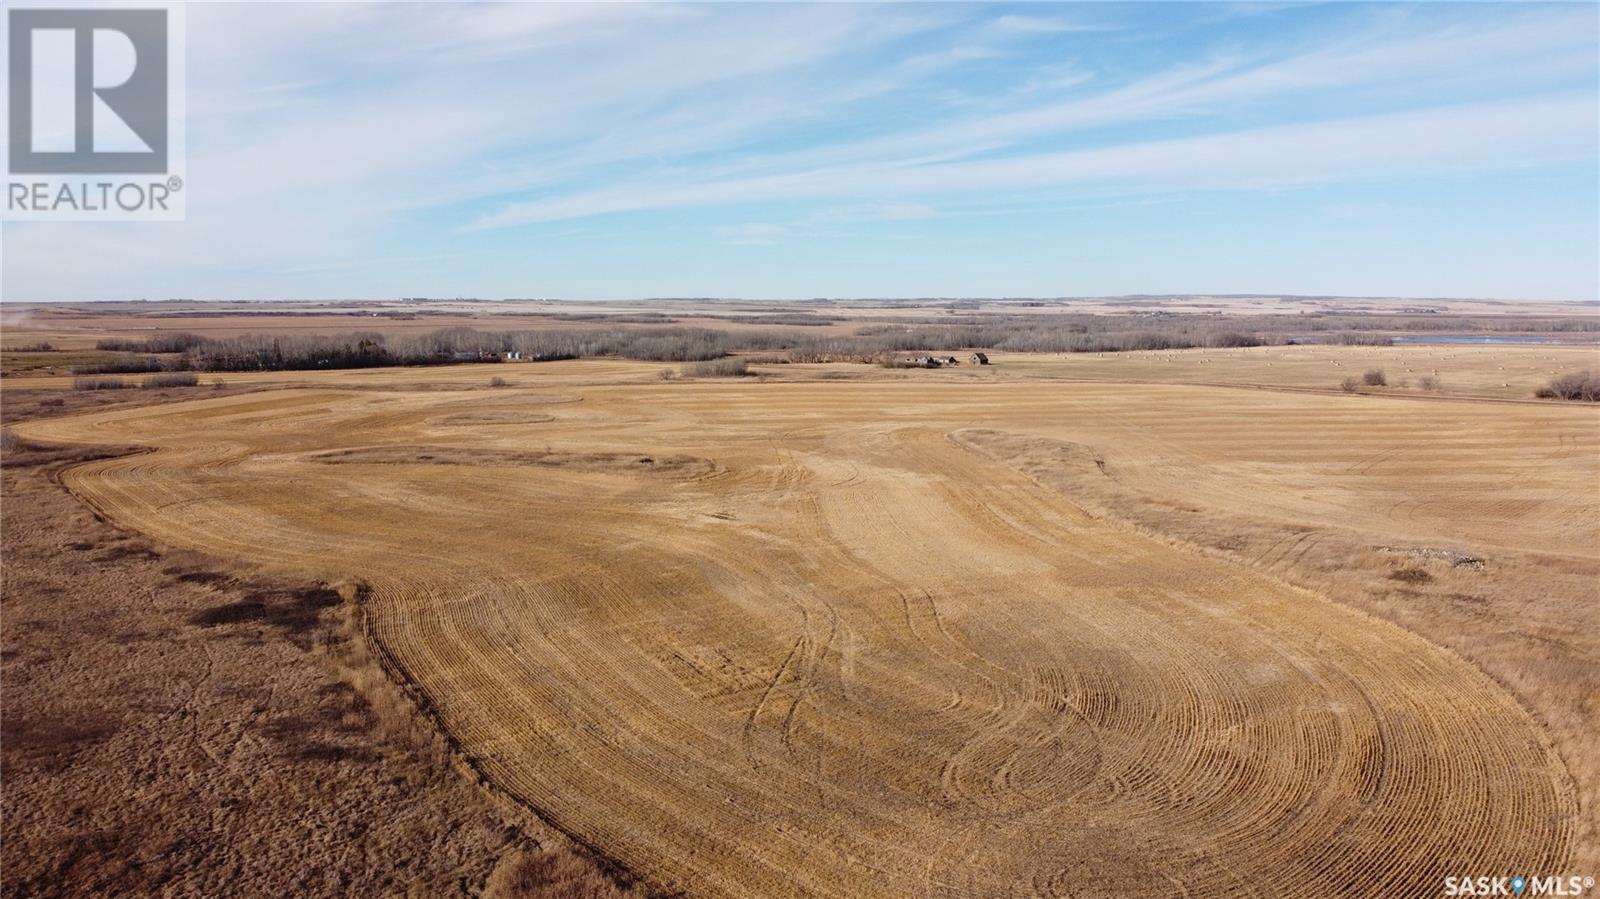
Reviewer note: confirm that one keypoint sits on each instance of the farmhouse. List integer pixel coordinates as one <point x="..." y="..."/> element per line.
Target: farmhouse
<point x="979" y="359"/>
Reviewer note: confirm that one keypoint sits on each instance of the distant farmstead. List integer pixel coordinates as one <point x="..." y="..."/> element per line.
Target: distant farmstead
<point x="979" y="359"/>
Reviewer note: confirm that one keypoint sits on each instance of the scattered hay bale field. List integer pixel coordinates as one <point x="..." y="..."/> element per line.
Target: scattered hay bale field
<point x="856" y="640"/>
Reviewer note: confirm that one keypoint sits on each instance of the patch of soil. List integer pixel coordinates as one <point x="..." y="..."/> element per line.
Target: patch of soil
<point x="494" y="417"/>
<point x="1411" y="576"/>
<point x="294" y="610"/>
<point x="673" y="466"/>
<point x="1455" y="558"/>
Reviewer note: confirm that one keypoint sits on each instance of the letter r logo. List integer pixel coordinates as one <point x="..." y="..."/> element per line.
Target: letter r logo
<point x="88" y="91"/>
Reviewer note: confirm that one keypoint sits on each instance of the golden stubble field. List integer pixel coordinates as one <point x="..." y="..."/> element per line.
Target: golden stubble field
<point x="836" y="637"/>
<point x="1478" y="371"/>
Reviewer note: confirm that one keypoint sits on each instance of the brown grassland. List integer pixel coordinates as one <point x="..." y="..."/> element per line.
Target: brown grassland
<point x="1143" y="624"/>
<point x="174" y="725"/>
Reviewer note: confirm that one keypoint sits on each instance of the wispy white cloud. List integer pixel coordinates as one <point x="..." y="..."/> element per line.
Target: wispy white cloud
<point x="1054" y="78"/>
<point x="880" y="212"/>
<point x="1433" y="140"/>
<point x="1204" y="88"/>
<point x="351" y="132"/>
<point x="769" y="233"/>
<point x="1028" y="24"/>
<point x="1361" y="210"/>
<point x="753" y="233"/>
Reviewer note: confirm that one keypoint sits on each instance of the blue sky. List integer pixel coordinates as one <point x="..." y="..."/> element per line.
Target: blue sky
<point x="609" y="151"/>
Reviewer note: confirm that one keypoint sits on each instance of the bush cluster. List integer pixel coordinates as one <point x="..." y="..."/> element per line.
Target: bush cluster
<point x="1583" y="386"/>
<point x="1358" y="339"/>
<point x="172" y="379"/>
<point x="729" y="367"/>
<point x="125" y="366"/>
<point x="95" y="383"/>
<point x="176" y="342"/>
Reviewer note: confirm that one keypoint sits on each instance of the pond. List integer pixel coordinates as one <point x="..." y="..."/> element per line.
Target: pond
<point x="1474" y="338"/>
<point x="1467" y="338"/>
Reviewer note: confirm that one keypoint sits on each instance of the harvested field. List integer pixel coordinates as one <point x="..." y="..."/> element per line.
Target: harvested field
<point x="862" y="641"/>
<point x="176" y="725"/>
<point x="1486" y="372"/>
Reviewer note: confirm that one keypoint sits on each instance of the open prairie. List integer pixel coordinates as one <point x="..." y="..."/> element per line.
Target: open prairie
<point x="1062" y="626"/>
<point x="804" y="450"/>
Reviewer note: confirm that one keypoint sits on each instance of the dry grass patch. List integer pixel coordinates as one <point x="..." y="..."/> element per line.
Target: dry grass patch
<point x="171" y="379"/>
<point x="729" y="367"/>
<point x="172" y="724"/>
<point x="98" y="383"/>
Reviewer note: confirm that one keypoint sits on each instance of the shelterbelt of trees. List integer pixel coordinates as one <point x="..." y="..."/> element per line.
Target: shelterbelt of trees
<point x="1057" y="333"/>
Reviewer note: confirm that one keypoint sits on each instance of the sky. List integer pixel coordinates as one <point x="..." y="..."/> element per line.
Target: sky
<point x="777" y="151"/>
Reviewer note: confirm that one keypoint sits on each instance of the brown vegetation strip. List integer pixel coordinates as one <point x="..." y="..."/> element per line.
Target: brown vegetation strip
<point x="666" y="465"/>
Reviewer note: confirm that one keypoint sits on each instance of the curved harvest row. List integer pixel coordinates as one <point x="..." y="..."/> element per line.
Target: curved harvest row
<point x="849" y="656"/>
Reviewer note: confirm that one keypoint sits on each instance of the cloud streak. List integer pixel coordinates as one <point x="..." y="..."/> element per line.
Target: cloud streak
<point x="1547" y="129"/>
<point x="348" y="136"/>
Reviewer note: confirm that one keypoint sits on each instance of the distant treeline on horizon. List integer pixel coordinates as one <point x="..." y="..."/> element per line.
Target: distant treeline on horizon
<point x="1054" y="333"/>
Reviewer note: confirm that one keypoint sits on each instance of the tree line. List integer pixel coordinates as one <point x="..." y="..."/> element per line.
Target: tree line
<point x="1047" y="333"/>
